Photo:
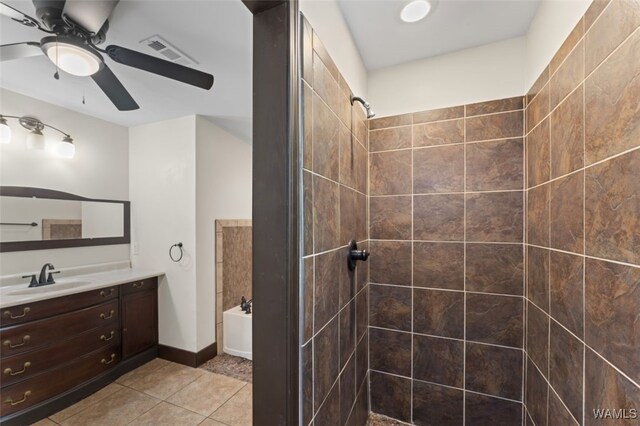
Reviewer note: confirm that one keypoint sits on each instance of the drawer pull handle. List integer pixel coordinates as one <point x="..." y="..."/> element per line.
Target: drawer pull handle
<point x="25" y="340"/>
<point x="138" y="285"/>
<point x="24" y="398"/>
<point x="25" y="311"/>
<point x="111" y="312"/>
<point x="105" y="338"/>
<point x="105" y="294"/>
<point x="12" y="373"/>
<point x="105" y="362"/>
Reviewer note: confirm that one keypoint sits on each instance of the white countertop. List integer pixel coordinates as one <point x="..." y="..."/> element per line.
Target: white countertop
<point x="18" y="294"/>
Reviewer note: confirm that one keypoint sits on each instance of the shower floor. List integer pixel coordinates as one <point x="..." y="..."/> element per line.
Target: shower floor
<point x="380" y="420"/>
<point x="230" y="366"/>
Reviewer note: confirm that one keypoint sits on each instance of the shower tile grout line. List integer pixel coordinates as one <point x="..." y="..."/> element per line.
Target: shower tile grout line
<point x="585" y="78"/>
<point x="632" y="381"/>
<point x="435" y="146"/>
<point x="449" y="387"/>
<point x="464" y="269"/>
<point x="412" y="266"/>
<point x="586" y="256"/>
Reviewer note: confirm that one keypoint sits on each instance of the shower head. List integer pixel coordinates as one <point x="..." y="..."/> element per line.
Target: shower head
<point x="365" y="104"/>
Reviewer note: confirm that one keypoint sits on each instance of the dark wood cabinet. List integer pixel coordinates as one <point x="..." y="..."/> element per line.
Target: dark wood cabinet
<point x="55" y="352"/>
<point x="139" y="320"/>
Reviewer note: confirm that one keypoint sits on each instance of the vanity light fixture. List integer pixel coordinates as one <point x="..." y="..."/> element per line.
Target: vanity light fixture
<point x="35" y="139"/>
<point x="415" y="11"/>
<point x="66" y="148"/>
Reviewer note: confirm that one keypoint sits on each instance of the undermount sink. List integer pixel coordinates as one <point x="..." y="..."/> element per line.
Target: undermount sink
<point x="47" y="288"/>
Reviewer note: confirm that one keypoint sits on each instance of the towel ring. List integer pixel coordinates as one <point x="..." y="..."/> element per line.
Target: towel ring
<point x="179" y="245"/>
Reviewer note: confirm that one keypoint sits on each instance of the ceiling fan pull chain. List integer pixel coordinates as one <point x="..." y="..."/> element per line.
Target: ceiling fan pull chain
<point x="57" y="74"/>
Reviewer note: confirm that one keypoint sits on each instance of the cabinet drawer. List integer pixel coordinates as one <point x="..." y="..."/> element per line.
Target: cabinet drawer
<point x="46" y="308"/>
<point x="25" y="337"/>
<point x="28" y="364"/>
<point x="140" y="285"/>
<point x="53" y="382"/>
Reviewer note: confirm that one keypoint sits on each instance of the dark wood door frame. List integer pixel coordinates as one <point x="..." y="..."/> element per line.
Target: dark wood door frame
<point x="276" y="170"/>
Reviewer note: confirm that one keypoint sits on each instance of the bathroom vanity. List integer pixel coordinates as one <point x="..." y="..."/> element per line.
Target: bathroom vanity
<point x="62" y="342"/>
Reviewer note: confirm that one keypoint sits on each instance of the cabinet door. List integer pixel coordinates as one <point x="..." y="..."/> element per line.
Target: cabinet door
<point x="139" y="322"/>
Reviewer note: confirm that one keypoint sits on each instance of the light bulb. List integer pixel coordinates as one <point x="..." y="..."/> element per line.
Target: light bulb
<point x="5" y="131"/>
<point x="66" y="148"/>
<point x="415" y="11"/>
<point x="35" y="140"/>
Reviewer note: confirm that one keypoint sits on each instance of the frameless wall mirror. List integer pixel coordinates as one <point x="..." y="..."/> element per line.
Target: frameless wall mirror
<point x="37" y="218"/>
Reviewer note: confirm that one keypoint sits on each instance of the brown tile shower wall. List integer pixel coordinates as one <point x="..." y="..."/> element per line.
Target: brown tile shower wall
<point x="334" y="351"/>
<point x="233" y="268"/>
<point x="583" y="224"/>
<point x="447" y="265"/>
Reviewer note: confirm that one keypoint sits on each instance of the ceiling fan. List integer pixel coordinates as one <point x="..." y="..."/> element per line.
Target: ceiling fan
<point x="76" y="28"/>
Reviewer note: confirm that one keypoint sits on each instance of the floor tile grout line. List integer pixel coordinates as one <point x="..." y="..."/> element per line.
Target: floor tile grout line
<point x="227" y="400"/>
<point x="142" y="414"/>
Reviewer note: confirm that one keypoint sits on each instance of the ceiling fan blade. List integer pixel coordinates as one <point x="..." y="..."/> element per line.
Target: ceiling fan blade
<point x="89" y="14"/>
<point x="16" y="15"/>
<point x="9" y="52"/>
<point x="160" y="66"/>
<point x="111" y="86"/>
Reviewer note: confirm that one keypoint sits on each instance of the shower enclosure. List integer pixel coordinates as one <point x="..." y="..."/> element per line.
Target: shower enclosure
<point x="504" y="274"/>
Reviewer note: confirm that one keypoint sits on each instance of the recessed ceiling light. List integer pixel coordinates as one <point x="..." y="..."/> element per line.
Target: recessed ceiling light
<point x="415" y="11"/>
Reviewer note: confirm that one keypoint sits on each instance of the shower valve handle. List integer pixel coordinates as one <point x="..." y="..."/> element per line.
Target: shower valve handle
<point x="355" y="254"/>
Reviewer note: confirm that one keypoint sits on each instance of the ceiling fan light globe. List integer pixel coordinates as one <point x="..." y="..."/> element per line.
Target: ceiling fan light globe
<point x="73" y="59"/>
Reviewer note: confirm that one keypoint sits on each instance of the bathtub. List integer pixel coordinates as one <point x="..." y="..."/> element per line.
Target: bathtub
<point x="236" y="332"/>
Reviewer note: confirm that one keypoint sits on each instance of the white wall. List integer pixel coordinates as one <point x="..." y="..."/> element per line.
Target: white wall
<point x="100" y="169"/>
<point x="163" y="192"/>
<point x="100" y="220"/>
<point x="326" y="19"/>
<point x="492" y="71"/>
<point x="185" y="174"/>
<point x="550" y="27"/>
<point x="223" y="191"/>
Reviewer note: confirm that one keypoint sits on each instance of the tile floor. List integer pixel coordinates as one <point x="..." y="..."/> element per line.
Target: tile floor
<point x="163" y="393"/>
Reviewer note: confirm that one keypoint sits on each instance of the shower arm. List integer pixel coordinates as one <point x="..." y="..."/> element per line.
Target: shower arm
<point x="365" y="104"/>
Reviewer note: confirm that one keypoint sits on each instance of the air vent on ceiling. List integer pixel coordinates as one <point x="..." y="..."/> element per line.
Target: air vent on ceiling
<point x="167" y="51"/>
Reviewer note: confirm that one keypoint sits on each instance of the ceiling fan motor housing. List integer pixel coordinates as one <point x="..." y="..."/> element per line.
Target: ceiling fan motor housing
<point x="49" y="12"/>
